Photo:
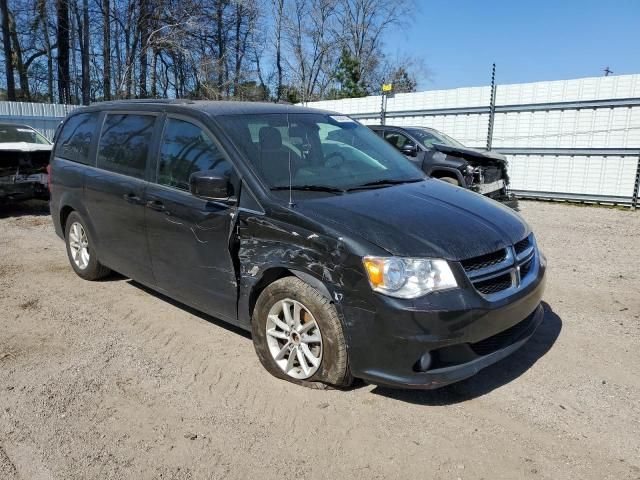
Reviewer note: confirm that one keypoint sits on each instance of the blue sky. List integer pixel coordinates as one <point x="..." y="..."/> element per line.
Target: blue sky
<point x="529" y="40"/>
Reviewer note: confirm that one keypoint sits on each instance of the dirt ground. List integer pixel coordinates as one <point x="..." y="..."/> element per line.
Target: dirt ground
<point x="108" y="380"/>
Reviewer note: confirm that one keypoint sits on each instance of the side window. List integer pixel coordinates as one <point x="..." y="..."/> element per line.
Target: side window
<point x="397" y="139"/>
<point x="74" y="140"/>
<point x="124" y="143"/>
<point x="186" y="149"/>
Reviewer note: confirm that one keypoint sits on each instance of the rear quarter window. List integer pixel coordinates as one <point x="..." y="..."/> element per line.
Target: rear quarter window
<point x="74" y="140"/>
<point x="125" y="142"/>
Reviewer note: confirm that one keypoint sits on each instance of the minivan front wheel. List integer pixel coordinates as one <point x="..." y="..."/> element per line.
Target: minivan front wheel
<point x="298" y="335"/>
<point x="82" y="255"/>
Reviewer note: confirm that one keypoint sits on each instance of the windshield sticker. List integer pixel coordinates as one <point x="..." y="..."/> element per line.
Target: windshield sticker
<point x="341" y="119"/>
<point x="24" y="130"/>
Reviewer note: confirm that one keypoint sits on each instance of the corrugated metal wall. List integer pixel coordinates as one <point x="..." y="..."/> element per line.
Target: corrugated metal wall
<point x="564" y="139"/>
<point x="44" y="117"/>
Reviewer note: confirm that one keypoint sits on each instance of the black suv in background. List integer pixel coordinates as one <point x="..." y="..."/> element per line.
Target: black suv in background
<point x="442" y="157"/>
<point x="343" y="259"/>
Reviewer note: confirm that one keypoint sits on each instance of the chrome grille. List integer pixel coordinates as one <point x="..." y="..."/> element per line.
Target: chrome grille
<point x="504" y="270"/>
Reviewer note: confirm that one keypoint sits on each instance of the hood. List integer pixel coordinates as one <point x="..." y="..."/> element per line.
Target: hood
<point x="471" y="154"/>
<point x="25" y="147"/>
<point x="424" y="219"/>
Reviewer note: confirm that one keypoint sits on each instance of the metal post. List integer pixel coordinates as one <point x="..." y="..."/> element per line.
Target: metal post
<point x="636" y="187"/>
<point x="383" y="108"/>
<point x="492" y="107"/>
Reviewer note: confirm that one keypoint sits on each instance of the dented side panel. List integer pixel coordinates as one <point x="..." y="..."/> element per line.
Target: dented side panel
<point x="266" y="245"/>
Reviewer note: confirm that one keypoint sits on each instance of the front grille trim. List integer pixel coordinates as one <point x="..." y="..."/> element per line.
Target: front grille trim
<point x="492" y="281"/>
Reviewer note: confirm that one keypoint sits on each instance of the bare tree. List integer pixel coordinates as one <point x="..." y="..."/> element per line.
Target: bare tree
<point x="244" y="49"/>
<point x="364" y="23"/>
<point x="62" y="34"/>
<point x="311" y="36"/>
<point x="8" y="58"/>
<point x="278" y="6"/>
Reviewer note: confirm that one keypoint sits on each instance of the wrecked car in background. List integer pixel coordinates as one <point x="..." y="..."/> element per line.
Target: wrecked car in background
<point x="442" y="157"/>
<point x="24" y="157"/>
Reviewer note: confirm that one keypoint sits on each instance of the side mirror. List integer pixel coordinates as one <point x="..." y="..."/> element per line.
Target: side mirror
<point x="210" y="186"/>
<point x="409" y="149"/>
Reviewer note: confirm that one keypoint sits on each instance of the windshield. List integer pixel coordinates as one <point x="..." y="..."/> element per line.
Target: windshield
<point x="322" y="150"/>
<point x="429" y="137"/>
<point x="17" y="133"/>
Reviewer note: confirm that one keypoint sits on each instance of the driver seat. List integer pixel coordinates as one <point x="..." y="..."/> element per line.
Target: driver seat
<point x="273" y="157"/>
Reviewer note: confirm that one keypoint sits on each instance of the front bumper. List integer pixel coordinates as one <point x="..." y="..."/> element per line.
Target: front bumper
<point x="461" y="331"/>
<point x="23" y="187"/>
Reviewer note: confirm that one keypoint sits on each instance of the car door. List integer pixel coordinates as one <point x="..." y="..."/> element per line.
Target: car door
<point x="188" y="237"/>
<point x="114" y="193"/>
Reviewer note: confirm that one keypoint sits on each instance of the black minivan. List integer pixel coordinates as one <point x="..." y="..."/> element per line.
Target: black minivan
<point x="303" y="226"/>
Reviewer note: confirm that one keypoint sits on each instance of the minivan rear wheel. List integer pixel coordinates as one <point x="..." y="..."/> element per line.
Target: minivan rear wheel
<point x="80" y="250"/>
<point x="298" y="335"/>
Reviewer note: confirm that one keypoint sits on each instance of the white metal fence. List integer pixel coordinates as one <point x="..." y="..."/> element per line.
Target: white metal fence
<point x="575" y="139"/>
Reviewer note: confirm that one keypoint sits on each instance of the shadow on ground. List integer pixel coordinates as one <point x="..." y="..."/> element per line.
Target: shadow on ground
<point x="491" y="377"/>
<point x="22" y="209"/>
<point x="197" y="313"/>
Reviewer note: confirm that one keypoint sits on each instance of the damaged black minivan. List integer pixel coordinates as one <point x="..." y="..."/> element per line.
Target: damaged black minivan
<point x="343" y="259"/>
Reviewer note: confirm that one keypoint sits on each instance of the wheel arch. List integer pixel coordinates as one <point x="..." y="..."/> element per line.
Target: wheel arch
<point x="439" y="172"/>
<point x="64" y="215"/>
<point x="274" y="273"/>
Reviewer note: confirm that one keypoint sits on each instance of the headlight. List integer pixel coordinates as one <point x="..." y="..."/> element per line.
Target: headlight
<point x="408" y="277"/>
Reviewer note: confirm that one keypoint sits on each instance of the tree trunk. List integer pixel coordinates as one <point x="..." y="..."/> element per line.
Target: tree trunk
<point x="17" y="57"/>
<point x="154" y="73"/>
<point x="62" y="34"/>
<point x="8" y="58"/>
<point x="106" y="49"/>
<point x="221" y="44"/>
<point x="143" y="23"/>
<point x="279" y="13"/>
<point x="44" y="22"/>
<point x="86" y="80"/>
<point x="238" y="50"/>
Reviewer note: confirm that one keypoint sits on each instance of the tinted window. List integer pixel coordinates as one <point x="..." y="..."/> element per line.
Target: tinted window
<point x="186" y="149"/>
<point x="124" y="143"/>
<point x="74" y="140"/>
<point x="397" y="139"/>
<point x="316" y="149"/>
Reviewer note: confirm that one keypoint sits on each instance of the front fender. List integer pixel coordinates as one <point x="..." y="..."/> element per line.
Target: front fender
<point x="269" y="249"/>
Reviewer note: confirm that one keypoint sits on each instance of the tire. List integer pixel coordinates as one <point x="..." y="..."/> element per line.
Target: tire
<point x="77" y="238"/>
<point x="451" y="180"/>
<point x="332" y="368"/>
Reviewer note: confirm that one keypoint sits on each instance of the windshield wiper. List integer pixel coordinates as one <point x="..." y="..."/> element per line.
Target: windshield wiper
<point x="311" y="188"/>
<point x="384" y="183"/>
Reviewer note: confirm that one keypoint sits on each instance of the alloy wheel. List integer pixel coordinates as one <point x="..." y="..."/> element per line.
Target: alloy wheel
<point x="79" y="245"/>
<point x="294" y="339"/>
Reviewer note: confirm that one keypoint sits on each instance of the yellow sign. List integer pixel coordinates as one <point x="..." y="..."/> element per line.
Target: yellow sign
<point x="387" y="87"/>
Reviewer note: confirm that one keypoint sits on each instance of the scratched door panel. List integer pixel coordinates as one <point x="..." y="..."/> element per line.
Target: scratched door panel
<point x="189" y="246"/>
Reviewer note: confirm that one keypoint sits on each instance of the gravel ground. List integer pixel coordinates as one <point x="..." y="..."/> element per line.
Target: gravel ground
<point x="109" y="380"/>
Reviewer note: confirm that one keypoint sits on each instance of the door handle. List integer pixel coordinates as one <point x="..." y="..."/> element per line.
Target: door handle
<point x="132" y="198"/>
<point x="156" y="205"/>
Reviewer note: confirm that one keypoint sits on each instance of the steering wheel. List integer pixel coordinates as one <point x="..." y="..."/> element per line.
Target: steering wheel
<point x="334" y="160"/>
